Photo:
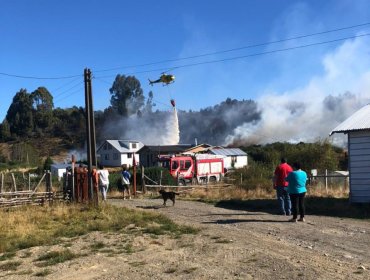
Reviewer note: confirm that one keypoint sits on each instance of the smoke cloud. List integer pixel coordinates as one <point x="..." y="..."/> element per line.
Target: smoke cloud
<point x="310" y="113"/>
<point x="151" y="128"/>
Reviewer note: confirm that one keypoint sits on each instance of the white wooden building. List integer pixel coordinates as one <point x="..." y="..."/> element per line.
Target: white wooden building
<point x="58" y="169"/>
<point x="233" y="157"/>
<point x="357" y="127"/>
<point x="119" y="152"/>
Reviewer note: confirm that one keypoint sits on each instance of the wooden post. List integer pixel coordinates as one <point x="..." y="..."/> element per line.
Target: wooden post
<point x="73" y="198"/>
<point x="326" y="180"/>
<point x="160" y="179"/>
<point x="48" y="185"/>
<point x="14" y="183"/>
<point x="29" y="182"/>
<point x="134" y="180"/>
<point x="2" y="182"/>
<point x="143" y="187"/>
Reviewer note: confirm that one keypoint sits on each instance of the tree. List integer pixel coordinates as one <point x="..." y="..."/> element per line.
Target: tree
<point x="127" y="95"/>
<point x="19" y="115"/>
<point x="42" y="102"/>
<point x="47" y="164"/>
<point x="4" y="131"/>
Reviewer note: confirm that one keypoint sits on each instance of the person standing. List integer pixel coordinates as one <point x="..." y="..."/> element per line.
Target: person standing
<point x="297" y="191"/>
<point x="125" y="178"/>
<point x="280" y="185"/>
<point x="103" y="181"/>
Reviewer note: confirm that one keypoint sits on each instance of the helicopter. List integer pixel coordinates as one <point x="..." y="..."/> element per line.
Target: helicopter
<point x="166" y="79"/>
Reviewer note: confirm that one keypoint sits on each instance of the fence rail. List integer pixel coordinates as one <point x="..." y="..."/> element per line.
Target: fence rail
<point x="16" y="196"/>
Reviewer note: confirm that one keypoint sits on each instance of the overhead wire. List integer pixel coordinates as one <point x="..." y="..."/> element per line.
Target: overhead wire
<point x="235" y="49"/>
<point x="243" y="56"/>
<point x="206" y="54"/>
<point x="70" y="94"/>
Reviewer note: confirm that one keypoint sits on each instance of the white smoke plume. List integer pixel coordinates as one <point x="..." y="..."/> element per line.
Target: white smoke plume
<point x="310" y="113"/>
<point x="157" y="128"/>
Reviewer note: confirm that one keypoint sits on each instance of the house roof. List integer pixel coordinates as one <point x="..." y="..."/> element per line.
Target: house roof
<point x="167" y="148"/>
<point x="122" y="146"/>
<point x="360" y="120"/>
<point x="228" y="152"/>
<point x="198" y="148"/>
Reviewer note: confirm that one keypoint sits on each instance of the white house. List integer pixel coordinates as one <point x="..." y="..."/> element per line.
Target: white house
<point x="233" y="157"/>
<point x="118" y="152"/>
<point x="357" y="127"/>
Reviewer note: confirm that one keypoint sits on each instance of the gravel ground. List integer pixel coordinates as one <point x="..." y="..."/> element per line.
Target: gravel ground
<point x="231" y="244"/>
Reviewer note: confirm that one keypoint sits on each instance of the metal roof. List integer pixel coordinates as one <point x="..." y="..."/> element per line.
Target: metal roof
<point x="360" y="120"/>
<point x="122" y="145"/>
<point x="179" y="148"/>
<point x="228" y="152"/>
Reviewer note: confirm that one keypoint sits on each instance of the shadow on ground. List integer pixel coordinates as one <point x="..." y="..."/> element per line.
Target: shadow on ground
<point x="320" y="206"/>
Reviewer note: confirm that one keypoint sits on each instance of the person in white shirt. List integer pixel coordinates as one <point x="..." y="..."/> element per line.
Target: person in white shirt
<point x="103" y="181"/>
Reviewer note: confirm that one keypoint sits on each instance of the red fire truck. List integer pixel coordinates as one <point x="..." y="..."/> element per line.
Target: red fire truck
<point x="200" y="168"/>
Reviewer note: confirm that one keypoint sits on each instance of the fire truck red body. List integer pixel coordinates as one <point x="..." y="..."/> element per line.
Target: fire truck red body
<point x="199" y="168"/>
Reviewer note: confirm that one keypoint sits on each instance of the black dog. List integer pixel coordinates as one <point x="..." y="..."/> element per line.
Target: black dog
<point x="168" y="195"/>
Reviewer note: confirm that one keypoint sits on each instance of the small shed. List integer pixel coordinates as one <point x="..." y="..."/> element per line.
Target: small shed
<point x="58" y="169"/>
<point x="357" y="126"/>
<point x="233" y="157"/>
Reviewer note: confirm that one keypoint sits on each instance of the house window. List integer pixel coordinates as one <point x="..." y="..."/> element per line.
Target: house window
<point x="105" y="146"/>
<point x="133" y="145"/>
<point x="129" y="155"/>
<point x="109" y="147"/>
<point x="106" y="156"/>
<point x="115" y="156"/>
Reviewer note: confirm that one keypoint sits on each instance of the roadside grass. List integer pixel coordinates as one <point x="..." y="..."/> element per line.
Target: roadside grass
<point x="332" y="202"/>
<point x="36" y="226"/>
<point x="55" y="257"/>
<point x="43" y="273"/>
<point x="11" y="265"/>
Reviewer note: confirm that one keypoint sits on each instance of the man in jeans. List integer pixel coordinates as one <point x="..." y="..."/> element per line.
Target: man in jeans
<point x="281" y="172"/>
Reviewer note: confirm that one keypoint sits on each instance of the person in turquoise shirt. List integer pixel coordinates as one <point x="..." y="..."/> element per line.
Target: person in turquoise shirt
<point x="297" y="191"/>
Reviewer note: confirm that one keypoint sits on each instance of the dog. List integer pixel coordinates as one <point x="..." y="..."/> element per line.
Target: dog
<point x="168" y="195"/>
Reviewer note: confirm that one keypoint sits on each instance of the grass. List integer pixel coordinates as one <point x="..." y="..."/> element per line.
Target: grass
<point x="36" y="226"/>
<point x="55" y="257"/>
<point x="97" y="246"/>
<point x="7" y="256"/>
<point x="43" y="273"/>
<point x="11" y="265"/>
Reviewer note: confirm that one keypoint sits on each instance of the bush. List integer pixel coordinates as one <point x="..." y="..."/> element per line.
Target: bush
<point x="254" y="176"/>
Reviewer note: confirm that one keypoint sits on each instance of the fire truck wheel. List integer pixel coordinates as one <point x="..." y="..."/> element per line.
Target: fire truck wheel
<point x="182" y="182"/>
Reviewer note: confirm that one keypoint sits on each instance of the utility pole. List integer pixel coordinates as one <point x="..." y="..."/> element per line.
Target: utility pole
<point x="90" y="132"/>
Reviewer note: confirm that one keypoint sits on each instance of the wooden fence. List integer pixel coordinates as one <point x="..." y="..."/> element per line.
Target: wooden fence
<point x="13" y="193"/>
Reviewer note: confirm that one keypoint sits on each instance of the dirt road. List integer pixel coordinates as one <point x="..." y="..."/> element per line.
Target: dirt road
<point x="240" y="244"/>
<point x="232" y="244"/>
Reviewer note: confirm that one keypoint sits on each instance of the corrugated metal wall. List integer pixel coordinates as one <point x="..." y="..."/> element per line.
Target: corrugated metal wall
<point x="359" y="166"/>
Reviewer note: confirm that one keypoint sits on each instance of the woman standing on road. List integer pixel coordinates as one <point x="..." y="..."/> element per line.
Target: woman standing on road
<point x="297" y="191"/>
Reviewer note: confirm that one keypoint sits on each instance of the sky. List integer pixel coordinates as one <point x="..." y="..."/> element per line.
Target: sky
<point x="216" y="49"/>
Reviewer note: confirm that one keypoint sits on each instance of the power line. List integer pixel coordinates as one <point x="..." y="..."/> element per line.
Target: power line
<point x="67" y="90"/>
<point x="235" y="49"/>
<point x="246" y="56"/>
<point x="73" y="92"/>
<point x="39" y="78"/>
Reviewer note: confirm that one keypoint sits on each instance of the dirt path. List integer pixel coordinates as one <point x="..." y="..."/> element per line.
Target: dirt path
<point x="232" y="244"/>
<point x="260" y="245"/>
